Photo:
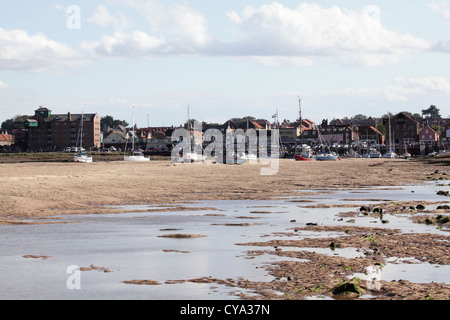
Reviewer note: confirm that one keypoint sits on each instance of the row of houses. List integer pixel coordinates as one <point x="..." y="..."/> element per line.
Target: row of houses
<point x="399" y="129"/>
<point x="47" y="131"/>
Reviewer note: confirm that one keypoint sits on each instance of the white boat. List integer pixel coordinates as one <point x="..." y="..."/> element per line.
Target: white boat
<point x="136" y="156"/>
<point x="193" y="157"/>
<point x="237" y="158"/>
<point x="390" y="155"/>
<point x="374" y="154"/>
<point x="252" y="157"/>
<point x="82" y="156"/>
<point x="327" y="156"/>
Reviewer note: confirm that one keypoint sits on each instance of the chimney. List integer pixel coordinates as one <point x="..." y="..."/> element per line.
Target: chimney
<point x="69" y="116"/>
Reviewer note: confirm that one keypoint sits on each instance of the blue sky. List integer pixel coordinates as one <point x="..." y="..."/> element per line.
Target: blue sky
<point x="224" y="58"/>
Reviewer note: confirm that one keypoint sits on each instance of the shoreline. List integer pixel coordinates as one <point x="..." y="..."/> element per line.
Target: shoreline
<point x="42" y="190"/>
<point x="39" y="193"/>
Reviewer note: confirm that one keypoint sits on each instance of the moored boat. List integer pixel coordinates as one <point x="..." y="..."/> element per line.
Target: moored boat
<point x="327" y="156"/>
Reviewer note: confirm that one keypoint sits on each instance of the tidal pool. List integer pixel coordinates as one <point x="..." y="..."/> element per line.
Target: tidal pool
<point x="129" y="245"/>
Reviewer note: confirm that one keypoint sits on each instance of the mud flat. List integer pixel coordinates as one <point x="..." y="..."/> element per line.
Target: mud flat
<point x="325" y="243"/>
<point x="40" y="190"/>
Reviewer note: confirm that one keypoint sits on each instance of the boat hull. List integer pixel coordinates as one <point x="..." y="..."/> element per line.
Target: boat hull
<point x="388" y="156"/>
<point x="136" y="159"/>
<point x="327" y="157"/>
<point x="82" y="159"/>
<point x="301" y="158"/>
<point x="332" y="158"/>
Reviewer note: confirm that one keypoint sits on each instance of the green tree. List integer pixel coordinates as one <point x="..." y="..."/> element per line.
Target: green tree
<point x="382" y="128"/>
<point x="418" y="117"/>
<point x="360" y="117"/>
<point x="109" y="121"/>
<point x="431" y="113"/>
<point x="14" y="123"/>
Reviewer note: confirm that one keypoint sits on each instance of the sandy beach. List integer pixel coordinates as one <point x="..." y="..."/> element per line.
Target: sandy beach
<point x="37" y="193"/>
<point x="41" y="190"/>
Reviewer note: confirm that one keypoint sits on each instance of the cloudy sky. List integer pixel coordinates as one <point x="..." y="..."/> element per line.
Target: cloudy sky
<point x="224" y="58"/>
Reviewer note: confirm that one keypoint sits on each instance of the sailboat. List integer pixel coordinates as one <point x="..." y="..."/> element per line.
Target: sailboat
<point x="135" y="156"/>
<point x="82" y="156"/>
<point x="305" y="153"/>
<point x="325" y="155"/>
<point x="390" y="154"/>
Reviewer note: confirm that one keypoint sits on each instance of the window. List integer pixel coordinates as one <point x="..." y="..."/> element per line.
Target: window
<point x="423" y="137"/>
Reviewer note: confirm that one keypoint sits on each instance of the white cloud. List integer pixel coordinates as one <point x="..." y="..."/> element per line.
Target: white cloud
<point x="280" y="61"/>
<point x="403" y="88"/>
<point x="273" y="35"/>
<point x="313" y="31"/>
<point x="173" y="29"/>
<point x="135" y="43"/>
<point x="442" y="45"/>
<point x="442" y="9"/>
<point x="36" y="53"/>
<point x="399" y="90"/>
<point x="3" y="85"/>
<point x="104" y="18"/>
<point x="180" y="23"/>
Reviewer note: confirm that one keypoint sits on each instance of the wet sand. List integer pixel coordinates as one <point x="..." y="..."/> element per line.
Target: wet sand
<point x="37" y="192"/>
<point x="42" y="190"/>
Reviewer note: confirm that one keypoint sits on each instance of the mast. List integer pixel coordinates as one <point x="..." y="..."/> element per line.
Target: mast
<point x="132" y="133"/>
<point x="390" y="134"/>
<point x="81" y="136"/>
<point x="188" y="120"/>
<point x="301" y="121"/>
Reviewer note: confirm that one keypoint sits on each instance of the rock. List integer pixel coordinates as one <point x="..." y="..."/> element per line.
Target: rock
<point x="332" y="245"/>
<point x="442" y="193"/>
<point x="420" y="207"/>
<point x="441" y="219"/>
<point x="379" y="210"/>
<point x="349" y="288"/>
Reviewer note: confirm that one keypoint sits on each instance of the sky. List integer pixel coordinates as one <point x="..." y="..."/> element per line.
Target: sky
<point x="224" y="59"/>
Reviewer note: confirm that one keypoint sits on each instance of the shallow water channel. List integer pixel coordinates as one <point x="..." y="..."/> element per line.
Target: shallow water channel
<point x="130" y="247"/>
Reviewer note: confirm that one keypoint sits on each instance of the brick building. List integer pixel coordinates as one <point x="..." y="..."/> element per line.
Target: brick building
<point x="404" y="128"/>
<point x="47" y="131"/>
<point x="6" y="140"/>
<point x="427" y="134"/>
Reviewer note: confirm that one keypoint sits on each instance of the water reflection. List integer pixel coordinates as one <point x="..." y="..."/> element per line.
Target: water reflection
<point x="129" y="244"/>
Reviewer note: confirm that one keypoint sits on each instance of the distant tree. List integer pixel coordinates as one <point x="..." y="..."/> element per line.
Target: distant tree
<point x="431" y="113"/>
<point x="418" y="117"/>
<point x="382" y="128"/>
<point x="14" y="123"/>
<point x="387" y="115"/>
<point x="360" y="117"/>
<point x="109" y="121"/>
<point x="438" y="129"/>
